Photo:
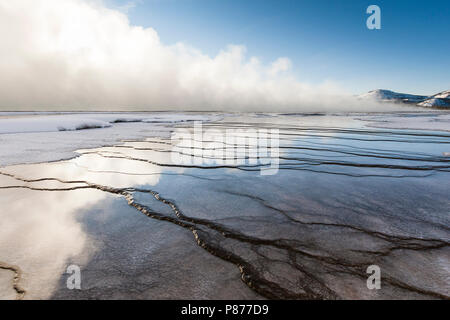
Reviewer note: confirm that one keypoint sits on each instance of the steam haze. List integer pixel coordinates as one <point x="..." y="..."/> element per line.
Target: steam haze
<point x="81" y="55"/>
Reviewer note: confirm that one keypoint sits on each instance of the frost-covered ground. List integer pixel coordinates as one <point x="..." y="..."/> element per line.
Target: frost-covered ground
<point x="35" y="137"/>
<point x="42" y="137"/>
<point x="47" y="122"/>
<point x="413" y="121"/>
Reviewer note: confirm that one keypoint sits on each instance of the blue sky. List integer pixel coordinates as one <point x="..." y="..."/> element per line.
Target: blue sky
<point x="326" y="40"/>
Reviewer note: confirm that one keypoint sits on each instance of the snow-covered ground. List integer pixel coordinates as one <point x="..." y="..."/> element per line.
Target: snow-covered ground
<point x="49" y="124"/>
<point x="44" y="137"/>
<point x="415" y="121"/>
<point x="28" y="122"/>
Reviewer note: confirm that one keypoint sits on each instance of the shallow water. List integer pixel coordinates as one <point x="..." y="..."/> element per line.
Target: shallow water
<point x="345" y="197"/>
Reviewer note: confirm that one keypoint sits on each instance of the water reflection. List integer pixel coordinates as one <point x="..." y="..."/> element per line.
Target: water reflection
<point x="40" y="232"/>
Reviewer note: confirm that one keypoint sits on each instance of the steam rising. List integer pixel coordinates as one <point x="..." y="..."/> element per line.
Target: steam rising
<point x="81" y="55"/>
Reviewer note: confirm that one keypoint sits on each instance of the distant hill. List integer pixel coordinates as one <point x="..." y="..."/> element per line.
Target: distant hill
<point x="439" y="100"/>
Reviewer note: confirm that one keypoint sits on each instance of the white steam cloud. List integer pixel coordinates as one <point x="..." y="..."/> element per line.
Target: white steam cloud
<point x="78" y="54"/>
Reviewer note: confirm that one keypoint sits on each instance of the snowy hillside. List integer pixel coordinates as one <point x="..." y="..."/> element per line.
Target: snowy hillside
<point x="443" y="95"/>
<point x="435" y="102"/>
<point x="387" y="95"/>
<point x="440" y="100"/>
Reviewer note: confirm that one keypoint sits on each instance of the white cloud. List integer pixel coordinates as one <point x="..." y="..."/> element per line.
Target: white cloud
<point x="280" y="65"/>
<point x="78" y="54"/>
<point x="129" y="5"/>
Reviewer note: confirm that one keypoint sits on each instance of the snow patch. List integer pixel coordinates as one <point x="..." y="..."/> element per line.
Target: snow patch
<point x="73" y="122"/>
<point x="43" y="137"/>
<point x="49" y="124"/>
